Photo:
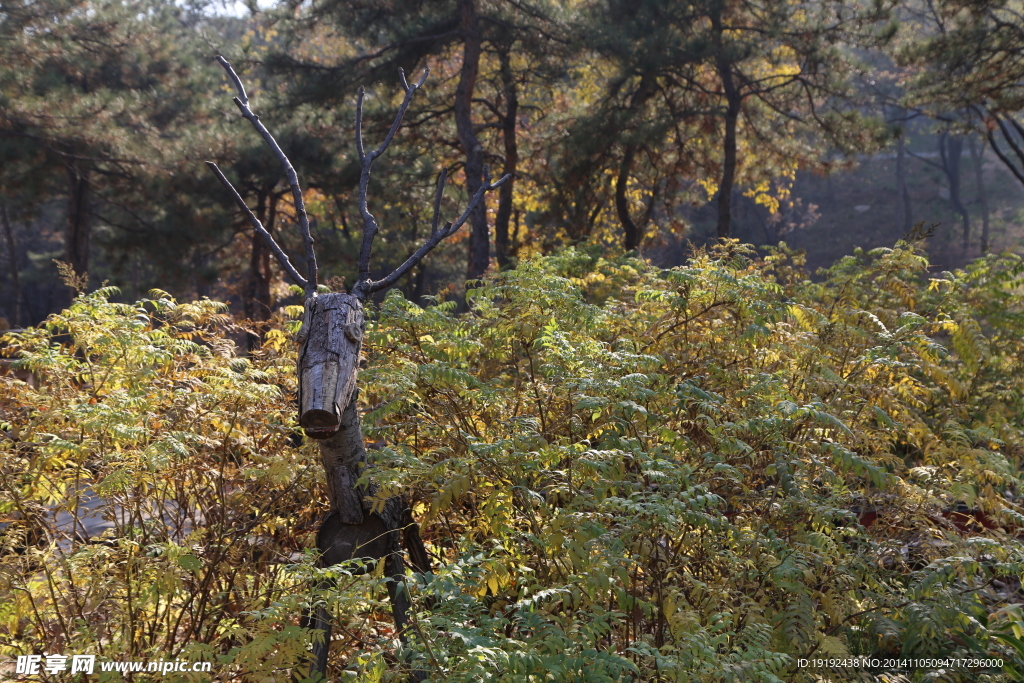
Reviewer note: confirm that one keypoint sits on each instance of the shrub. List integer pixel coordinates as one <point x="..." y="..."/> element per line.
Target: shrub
<point x="706" y="473"/>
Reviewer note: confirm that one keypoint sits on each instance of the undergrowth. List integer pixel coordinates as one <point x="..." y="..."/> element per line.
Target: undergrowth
<point x="707" y="473"/>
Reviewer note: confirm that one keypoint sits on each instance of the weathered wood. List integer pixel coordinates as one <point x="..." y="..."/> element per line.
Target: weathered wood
<point x="331" y="337"/>
<point x="339" y="542"/>
<point x="377" y="537"/>
<point x="344" y="456"/>
<point x="328" y="361"/>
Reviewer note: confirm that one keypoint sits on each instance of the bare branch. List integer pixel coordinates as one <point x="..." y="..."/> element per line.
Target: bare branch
<point x="927" y="161"/>
<point x="274" y="246"/>
<point x="1009" y="138"/>
<point x="370" y="227"/>
<point x="1003" y="157"/>
<point x="242" y="102"/>
<point x="436" y="236"/>
<point x="359" y="125"/>
<point x="409" y="92"/>
<point x="235" y="79"/>
<point x="485" y="187"/>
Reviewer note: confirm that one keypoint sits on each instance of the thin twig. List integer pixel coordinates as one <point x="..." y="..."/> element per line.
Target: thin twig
<point x="274" y="246"/>
<point x="242" y="102"/>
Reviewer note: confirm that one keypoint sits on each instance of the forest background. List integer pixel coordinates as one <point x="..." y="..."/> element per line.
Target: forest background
<point x="650" y="126"/>
<point x="645" y="440"/>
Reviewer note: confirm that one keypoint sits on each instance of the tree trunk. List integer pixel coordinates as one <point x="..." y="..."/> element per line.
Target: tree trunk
<point x="354" y="530"/>
<point x="903" y="211"/>
<point x="508" y="129"/>
<point x="12" y="256"/>
<point x="632" y="232"/>
<point x="951" y="148"/>
<point x="77" y="232"/>
<point x="479" y="238"/>
<point x="331" y="337"/>
<point x="419" y="284"/>
<point x="732" y="114"/>
<point x="978" y="157"/>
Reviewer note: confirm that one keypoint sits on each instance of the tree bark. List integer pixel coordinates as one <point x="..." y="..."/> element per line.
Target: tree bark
<point x="343" y="456"/>
<point x="12" y="256"/>
<point x="331" y="337"/>
<point x="77" y="231"/>
<point x="732" y="113"/>
<point x="632" y="230"/>
<point x="479" y="237"/>
<point x="508" y="130"/>
<point x="977" y="156"/>
<point x="951" y="148"/>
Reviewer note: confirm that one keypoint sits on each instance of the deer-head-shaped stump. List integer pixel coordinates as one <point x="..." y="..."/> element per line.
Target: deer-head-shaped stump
<point x="331" y="337"/>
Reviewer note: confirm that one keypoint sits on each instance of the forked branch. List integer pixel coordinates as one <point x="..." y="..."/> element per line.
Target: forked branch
<point x="437" y="235"/>
<point x="364" y="285"/>
<point x="275" y="248"/>
<point x="370" y="228"/>
<point x="309" y="282"/>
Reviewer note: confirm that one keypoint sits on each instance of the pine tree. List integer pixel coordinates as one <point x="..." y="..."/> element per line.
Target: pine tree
<point x="744" y="92"/>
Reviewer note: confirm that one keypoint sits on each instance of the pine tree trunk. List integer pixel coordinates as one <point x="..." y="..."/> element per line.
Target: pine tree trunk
<point x="256" y="298"/>
<point x="951" y="148"/>
<point x="632" y="232"/>
<point x="904" y="210"/>
<point x="977" y="156"/>
<point x="479" y="238"/>
<point x="508" y="129"/>
<point x="12" y="256"/>
<point x="732" y="113"/>
<point x="728" y="177"/>
<point x="77" y="232"/>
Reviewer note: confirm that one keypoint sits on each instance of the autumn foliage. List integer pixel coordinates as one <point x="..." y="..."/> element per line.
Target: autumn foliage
<point x="705" y="473"/>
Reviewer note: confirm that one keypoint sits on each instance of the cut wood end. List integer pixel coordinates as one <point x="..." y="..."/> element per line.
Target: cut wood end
<point x="319" y="424"/>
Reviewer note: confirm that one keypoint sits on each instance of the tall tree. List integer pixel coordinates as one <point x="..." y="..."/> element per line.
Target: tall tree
<point x="977" y="158"/>
<point x="481" y="46"/>
<point x="969" y="61"/>
<point x="951" y="150"/>
<point x="100" y="101"/>
<point x="736" y="89"/>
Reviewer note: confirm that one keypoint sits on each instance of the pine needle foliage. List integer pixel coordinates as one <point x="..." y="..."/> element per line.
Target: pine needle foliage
<point x="625" y="473"/>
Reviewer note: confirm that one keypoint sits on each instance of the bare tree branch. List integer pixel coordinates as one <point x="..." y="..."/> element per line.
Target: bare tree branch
<point x="436" y="236"/>
<point x="242" y="102"/>
<point x="1003" y="157"/>
<point x="274" y="246"/>
<point x="1009" y="139"/>
<point x="370" y="228"/>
